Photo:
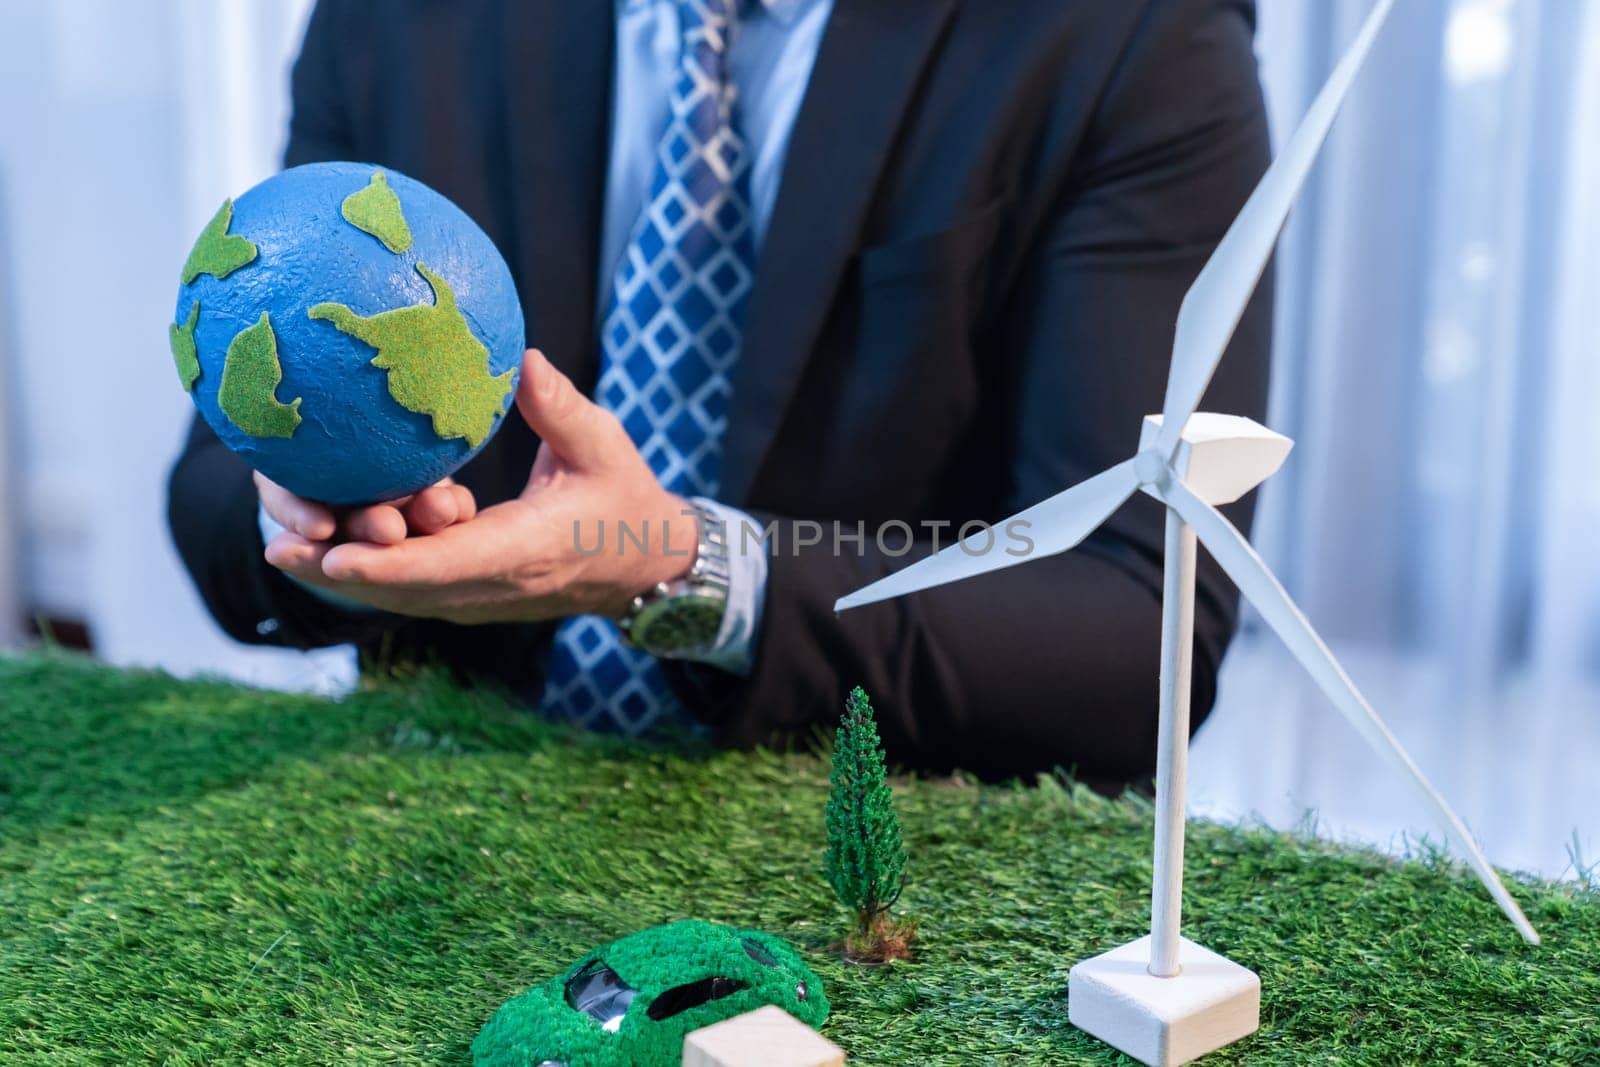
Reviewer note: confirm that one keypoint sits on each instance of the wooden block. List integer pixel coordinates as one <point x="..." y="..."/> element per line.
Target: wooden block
<point x="1164" y="1021"/>
<point x="766" y="1037"/>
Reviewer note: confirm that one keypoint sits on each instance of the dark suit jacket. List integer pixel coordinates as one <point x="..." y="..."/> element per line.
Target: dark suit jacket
<point x="965" y="303"/>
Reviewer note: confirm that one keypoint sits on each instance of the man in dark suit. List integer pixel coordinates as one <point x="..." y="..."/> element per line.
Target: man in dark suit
<point x="969" y="226"/>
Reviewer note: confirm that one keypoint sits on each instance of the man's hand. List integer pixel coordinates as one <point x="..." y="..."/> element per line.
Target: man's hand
<point x="441" y="504"/>
<point x="527" y="559"/>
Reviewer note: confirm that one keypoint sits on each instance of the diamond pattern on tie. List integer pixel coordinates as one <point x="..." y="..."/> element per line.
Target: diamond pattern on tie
<point x="669" y="341"/>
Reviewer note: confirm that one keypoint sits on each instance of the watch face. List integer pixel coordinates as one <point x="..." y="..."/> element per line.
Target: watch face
<point x="678" y="624"/>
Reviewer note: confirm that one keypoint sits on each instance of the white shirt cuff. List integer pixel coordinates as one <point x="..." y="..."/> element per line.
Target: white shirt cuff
<point x="734" y="650"/>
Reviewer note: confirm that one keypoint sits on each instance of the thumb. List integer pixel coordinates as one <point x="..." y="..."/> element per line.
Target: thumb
<point x="577" y="429"/>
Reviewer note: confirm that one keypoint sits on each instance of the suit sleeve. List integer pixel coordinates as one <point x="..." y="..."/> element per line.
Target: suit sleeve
<point x="211" y="497"/>
<point x="1054" y="663"/>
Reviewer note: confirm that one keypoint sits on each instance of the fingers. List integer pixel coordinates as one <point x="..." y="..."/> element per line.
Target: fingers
<point x="302" y="560"/>
<point x="466" y="503"/>
<point x="581" y="432"/>
<point x="460" y="552"/>
<point x="382" y="524"/>
<point x="439" y="506"/>
<point x="298" y="557"/>
<point x="430" y="510"/>
<point x="380" y="547"/>
<point x="312" y="521"/>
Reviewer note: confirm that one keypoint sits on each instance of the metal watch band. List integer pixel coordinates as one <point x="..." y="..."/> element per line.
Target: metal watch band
<point x="708" y="578"/>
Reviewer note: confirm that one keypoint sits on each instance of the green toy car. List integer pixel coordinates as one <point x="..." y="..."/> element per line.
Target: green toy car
<point x="630" y="1003"/>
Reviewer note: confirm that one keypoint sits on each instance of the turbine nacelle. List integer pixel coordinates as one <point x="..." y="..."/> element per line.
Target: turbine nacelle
<point x="1219" y="457"/>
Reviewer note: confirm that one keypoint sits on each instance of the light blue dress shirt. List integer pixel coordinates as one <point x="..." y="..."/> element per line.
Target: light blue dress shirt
<point x="773" y="50"/>
<point x="774" y="47"/>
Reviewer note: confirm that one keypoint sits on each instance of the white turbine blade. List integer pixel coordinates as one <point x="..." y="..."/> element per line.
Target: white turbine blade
<point x="1212" y="306"/>
<point x="1251" y="574"/>
<point x="1054" y="525"/>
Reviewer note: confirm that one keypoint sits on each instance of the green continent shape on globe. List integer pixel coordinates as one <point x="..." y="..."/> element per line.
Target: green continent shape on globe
<point x="436" y="367"/>
<point x="375" y="209"/>
<point x="183" y="354"/>
<point x="250" y="377"/>
<point x="217" y="252"/>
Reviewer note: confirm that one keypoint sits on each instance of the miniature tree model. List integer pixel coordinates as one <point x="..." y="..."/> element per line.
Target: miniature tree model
<point x="865" y="860"/>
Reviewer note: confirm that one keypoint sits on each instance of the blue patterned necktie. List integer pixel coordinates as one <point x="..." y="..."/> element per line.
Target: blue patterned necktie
<point x="668" y="344"/>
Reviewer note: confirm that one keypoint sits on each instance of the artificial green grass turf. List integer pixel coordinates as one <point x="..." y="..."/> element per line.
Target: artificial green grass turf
<point x="197" y="873"/>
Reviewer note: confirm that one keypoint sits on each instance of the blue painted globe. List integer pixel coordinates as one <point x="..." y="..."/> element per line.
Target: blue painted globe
<point x="349" y="332"/>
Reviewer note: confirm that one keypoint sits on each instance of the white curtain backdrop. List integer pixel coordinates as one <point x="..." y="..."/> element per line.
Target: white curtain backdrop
<point x="1436" y="362"/>
<point x="124" y="125"/>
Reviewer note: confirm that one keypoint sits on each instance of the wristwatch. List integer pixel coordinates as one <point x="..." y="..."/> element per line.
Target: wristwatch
<point x="680" y="618"/>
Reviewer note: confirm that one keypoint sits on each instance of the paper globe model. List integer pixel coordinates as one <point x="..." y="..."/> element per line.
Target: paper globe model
<point x="349" y="332"/>
<point x="631" y="1003"/>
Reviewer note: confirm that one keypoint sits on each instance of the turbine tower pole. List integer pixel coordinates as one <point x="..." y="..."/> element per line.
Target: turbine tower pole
<point x="1172" y="744"/>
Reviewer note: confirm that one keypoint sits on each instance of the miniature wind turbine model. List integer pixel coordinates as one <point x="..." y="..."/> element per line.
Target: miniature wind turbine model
<point x="1163" y="999"/>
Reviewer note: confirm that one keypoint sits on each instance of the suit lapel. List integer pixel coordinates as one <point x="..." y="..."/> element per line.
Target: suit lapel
<point x="867" y="65"/>
<point x="558" y="57"/>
